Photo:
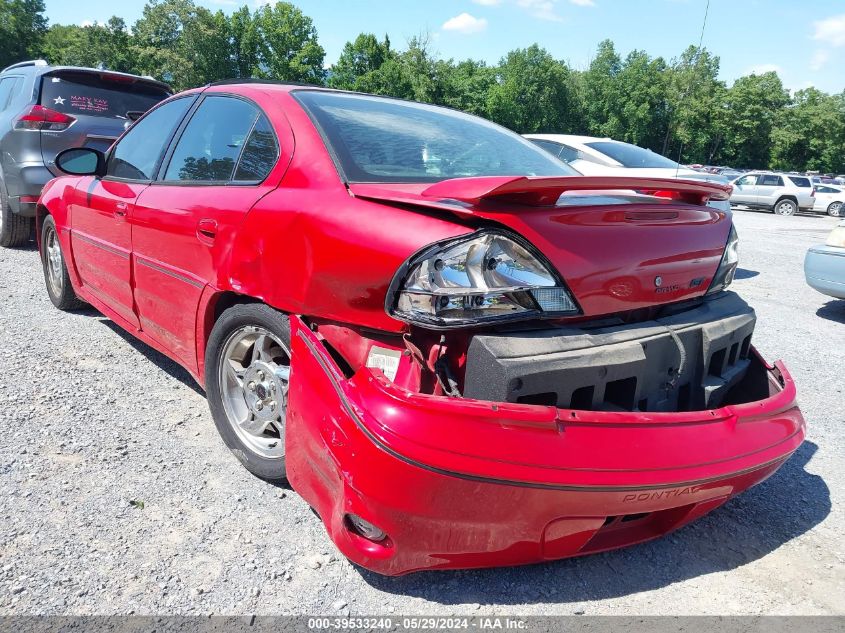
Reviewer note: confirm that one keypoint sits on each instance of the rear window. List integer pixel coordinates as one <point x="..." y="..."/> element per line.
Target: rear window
<point x="87" y="94"/>
<point x="377" y="139"/>
<point x="631" y="155"/>
<point x="800" y="181"/>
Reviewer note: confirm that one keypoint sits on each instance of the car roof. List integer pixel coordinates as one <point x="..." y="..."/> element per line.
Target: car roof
<point x="37" y="68"/>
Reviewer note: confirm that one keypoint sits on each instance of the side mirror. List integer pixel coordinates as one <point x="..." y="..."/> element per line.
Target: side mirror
<point x="134" y="115"/>
<point x="82" y="161"/>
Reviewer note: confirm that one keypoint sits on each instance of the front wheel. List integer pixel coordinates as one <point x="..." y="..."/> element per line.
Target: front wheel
<point x="56" y="277"/>
<point x="835" y="209"/>
<point x="786" y="207"/>
<point x="247" y="372"/>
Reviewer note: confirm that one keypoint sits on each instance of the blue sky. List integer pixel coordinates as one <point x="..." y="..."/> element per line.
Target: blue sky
<point x="804" y="40"/>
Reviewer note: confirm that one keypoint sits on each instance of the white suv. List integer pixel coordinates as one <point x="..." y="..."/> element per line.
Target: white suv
<point x="785" y="194"/>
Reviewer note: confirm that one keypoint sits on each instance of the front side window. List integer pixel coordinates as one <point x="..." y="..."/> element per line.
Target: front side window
<point x="137" y="154"/>
<point x="747" y="180"/>
<point x="212" y="141"/>
<point x="377" y="139"/>
<point x="632" y="156"/>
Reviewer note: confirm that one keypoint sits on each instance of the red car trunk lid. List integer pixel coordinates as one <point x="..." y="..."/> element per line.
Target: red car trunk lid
<point x="617" y="250"/>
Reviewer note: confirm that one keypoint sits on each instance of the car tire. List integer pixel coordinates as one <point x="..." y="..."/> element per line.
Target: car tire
<point x="15" y="230"/>
<point x="786" y="206"/>
<point x="247" y="372"/>
<point x="835" y="209"/>
<point x="56" y="277"/>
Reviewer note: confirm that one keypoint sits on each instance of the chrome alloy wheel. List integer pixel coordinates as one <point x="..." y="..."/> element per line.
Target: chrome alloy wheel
<point x="53" y="256"/>
<point x="835" y="209"/>
<point x="254" y="371"/>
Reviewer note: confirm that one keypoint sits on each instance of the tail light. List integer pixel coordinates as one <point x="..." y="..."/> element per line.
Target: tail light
<point x="38" y="117"/>
<point x="813" y="193"/>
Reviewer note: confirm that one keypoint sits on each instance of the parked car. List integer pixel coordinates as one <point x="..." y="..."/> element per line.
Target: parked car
<point x="45" y="109"/>
<point x="593" y="156"/>
<point x="783" y="194"/>
<point x="829" y="199"/>
<point x="458" y="352"/>
<point x="824" y="265"/>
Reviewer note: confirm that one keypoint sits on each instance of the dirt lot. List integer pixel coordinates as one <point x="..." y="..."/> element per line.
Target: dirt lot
<point x="95" y="423"/>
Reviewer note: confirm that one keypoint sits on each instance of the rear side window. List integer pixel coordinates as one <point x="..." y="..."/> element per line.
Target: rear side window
<point x="137" y="154"/>
<point x="86" y="94"/>
<point x="800" y="181"/>
<point x="771" y="181"/>
<point x="260" y="153"/>
<point x="8" y="85"/>
<point x="212" y="141"/>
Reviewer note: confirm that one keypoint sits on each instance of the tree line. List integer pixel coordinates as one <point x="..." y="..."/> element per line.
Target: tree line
<point x="677" y="107"/>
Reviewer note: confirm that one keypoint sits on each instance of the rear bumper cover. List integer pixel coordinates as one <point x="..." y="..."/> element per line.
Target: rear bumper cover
<point x="459" y="483"/>
<point x="824" y="269"/>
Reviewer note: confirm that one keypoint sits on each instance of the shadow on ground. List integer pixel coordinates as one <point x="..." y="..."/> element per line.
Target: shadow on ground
<point x="744" y="273"/>
<point x="833" y="311"/>
<point x="172" y="368"/>
<point x="745" y="529"/>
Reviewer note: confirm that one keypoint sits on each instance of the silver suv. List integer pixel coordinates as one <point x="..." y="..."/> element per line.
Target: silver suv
<point x="45" y="109"/>
<point x="785" y="194"/>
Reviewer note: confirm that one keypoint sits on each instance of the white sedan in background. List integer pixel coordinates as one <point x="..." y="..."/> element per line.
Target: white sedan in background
<point x="594" y="156"/>
<point x="829" y="199"/>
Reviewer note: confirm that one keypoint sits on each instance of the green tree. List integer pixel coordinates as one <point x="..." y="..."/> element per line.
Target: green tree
<point x="288" y="49"/>
<point x="359" y="58"/>
<point x="243" y="44"/>
<point x="694" y="97"/>
<point x="749" y="112"/>
<point x="184" y="44"/>
<point x="810" y="133"/>
<point x="534" y="93"/>
<point x="22" y="30"/>
<point x="466" y="85"/>
<point x="98" y="45"/>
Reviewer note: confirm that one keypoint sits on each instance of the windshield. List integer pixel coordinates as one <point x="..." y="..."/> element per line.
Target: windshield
<point x="631" y="155"/>
<point x="85" y="93"/>
<point x="376" y="139"/>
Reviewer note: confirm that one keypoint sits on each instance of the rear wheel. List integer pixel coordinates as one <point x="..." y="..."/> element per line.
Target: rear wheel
<point x="247" y="373"/>
<point x="835" y="209"/>
<point x="15" y="230"/>
<point x="55" y="270"/>
<point x="786" y="207"/>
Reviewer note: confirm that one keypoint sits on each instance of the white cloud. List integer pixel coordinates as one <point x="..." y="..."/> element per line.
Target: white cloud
<point x="87" y="23"/>
<point x="761" y="69"/>
<point x="542" y="9"/>
<point x="583" y="3"/>
<point x="831" y="31"/>
<point x="465" y="23"/>
<point x="819" y="59"/>
<point x="488" y="3"/>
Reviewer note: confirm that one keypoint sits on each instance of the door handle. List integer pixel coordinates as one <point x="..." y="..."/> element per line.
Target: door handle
<point x="206" y="230"/>
<point x="120" y="209"/>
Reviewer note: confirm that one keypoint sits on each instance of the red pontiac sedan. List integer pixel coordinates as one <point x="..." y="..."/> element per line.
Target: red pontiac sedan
<point x="460" y="352"/>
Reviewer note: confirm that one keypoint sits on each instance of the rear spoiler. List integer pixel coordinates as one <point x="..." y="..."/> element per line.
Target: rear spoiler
<point x="538" y="191"/>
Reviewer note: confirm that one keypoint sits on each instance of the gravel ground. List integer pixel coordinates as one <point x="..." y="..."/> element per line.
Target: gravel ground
<point x="119" y="497"/>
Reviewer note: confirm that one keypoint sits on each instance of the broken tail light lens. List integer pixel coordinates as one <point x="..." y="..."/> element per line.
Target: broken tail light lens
<point x="38" y="117"/>
<point x="489" y="276"/>
<point x="727" y="267"/>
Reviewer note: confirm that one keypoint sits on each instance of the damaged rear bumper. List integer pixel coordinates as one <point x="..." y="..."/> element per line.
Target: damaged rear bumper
<point x="459" y="483"/>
